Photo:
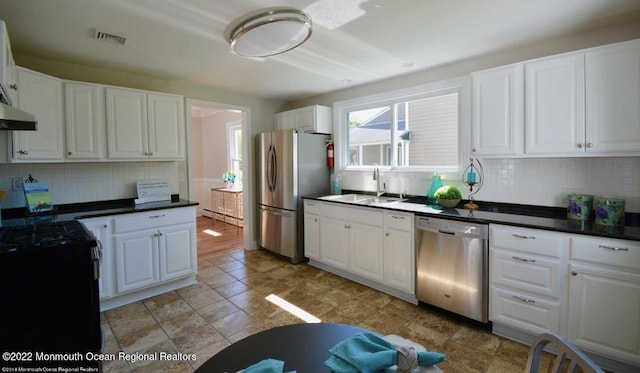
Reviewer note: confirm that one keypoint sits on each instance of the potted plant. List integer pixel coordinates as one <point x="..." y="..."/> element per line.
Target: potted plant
<point x="448" y="196"/>
<point x="229" y="178"/>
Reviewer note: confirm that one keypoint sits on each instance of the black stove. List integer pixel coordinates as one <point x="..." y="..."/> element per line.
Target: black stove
<point x="49" y="275"/>
<point x="44" y="235"/>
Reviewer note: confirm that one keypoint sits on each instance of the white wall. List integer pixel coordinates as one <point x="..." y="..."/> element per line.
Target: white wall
<point x="525" y="181"/>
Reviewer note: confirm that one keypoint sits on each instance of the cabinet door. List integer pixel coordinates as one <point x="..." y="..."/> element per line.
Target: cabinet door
<point x="177" y="246"/>
<point x="365" y="250"/>
<point x="312" y="236"/>
<point x="40" y="95"/>
<point x="554" y="105"/>
<point x="285" y="121"/>
<point x="497" y="111"/>
<point x="613" y="98"/>
<point x="334" y="249"/>
<point x="100" y="229"/>
<point x="305" y="119"/>
<point x="604" y="311"/>
<point x="137" y="259"/>
<point x="399" y="268"/>
<point x="127" y="123"/>
<point x="85" y="126"/>
<point x="166" y="126"/>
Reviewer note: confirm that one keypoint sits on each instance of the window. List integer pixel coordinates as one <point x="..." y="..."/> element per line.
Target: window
<point x="235" y="150"/>
<point x="415" y="128"/>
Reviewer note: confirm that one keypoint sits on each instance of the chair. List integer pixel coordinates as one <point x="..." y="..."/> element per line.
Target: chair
<point x="566" y="352"/>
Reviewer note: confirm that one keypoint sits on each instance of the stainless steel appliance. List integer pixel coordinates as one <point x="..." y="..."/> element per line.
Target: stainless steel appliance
<point x="291" y="165"/>
<point x="49" y="273"/>
<point x="452" y="266"/>
<point x="12" y="118"/>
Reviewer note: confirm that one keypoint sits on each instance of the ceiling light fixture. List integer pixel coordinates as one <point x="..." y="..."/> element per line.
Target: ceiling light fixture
<point x="269" y="32"/>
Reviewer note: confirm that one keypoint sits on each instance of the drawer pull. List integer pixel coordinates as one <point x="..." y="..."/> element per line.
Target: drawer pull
<point x="613" y="248"/>
<point x="397" y="217"/>
<point x="525" y="260"/>
<point x="156" y="216"/>
<point x="531" y="301"/>
<point x="523" y="236"/>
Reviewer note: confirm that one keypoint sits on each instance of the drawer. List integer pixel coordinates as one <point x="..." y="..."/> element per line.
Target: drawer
<point x="311" y="207"/>
<point x="398" y="220"/>
<point x="368" y="216"/>
<point x="537" y="274"/>
<point x="606" y="251"/>
<point x="523" y="311"/>
<point x="153" y="219"/>
<point x="533" y="241"/>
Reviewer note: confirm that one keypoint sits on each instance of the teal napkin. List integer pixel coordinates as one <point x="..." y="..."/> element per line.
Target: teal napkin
<point x="368" y="352"/>
<point x="266" y="366"/>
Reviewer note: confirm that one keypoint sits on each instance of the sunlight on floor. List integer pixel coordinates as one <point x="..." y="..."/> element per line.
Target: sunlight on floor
<point x="294" y="310"/>
<point x="212" y="233"/>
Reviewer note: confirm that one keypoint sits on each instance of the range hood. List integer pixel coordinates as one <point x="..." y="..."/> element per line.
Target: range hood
<point x="12" y="119"/>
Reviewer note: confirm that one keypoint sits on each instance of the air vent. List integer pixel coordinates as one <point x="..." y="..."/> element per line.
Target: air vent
<point x="109" y="37"/>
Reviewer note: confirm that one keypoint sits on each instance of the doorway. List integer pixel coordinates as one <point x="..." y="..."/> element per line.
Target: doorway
<point x="214" y="134"/>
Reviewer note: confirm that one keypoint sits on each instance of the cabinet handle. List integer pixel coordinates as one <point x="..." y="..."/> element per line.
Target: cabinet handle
<point x="156" y="216"/>
<point x="347" y="226"/>
<point x="13" y="86"/>
<point x="579" y="146"/>
<point x="589" y="145"/>
<point x="398" y="217"/>
<point x="531" y="301"/>
<point x="315" y="219"/>
<point x="473" y="150"/>
<point x="387" y="234"/>
<point x="105" y="226"/>
<point x="525" y="237"/>
<point x="574" y="273"/>
<point x="70" y="153"/>
<point x="22" y="152"/>
<point x="613" y="248"/>
<point x="525" y="260"/>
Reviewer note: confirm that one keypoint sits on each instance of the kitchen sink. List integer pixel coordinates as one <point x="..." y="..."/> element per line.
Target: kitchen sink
<point x="362" y="199"/>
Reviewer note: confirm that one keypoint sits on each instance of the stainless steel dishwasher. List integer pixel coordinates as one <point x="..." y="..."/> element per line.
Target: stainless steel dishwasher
<point x="452" y="266"/>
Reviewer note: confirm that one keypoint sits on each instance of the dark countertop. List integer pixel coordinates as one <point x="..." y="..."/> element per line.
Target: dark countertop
<point x="18" y="216"/>
<point x="527" y="216"/>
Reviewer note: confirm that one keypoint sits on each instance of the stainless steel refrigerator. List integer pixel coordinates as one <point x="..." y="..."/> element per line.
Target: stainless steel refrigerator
<point x="291" y="165"/>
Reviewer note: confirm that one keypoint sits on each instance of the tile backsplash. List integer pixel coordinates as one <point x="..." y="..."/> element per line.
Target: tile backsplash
<point x="531" y="181"/>
<point x="84" y="182"/>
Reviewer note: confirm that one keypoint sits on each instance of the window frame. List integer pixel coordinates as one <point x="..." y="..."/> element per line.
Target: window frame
<point x="461" y="86"/>
<point x="234" y="149"/>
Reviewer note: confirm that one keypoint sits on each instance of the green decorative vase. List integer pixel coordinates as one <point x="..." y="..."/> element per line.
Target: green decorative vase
<point x="436" y="183"/>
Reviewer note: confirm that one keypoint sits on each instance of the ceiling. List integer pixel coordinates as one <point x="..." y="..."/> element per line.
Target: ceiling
<point x="353" y="41"/>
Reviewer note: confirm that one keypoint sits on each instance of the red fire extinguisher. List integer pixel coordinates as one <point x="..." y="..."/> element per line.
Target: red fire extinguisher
<point x="330" y="154"/>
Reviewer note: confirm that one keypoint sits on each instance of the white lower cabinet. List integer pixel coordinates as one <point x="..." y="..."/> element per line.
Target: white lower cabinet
<point x="145" y="253"/>
<point x="136" y="263"/>
<point x="311" y="230"/>
<point x="399" y="257"/>
<point x="526" y="281"/>
<point x="604" y="297"/>
<point x="101" y="230"/>
<point x="364" y="244"/>
<point x="584" y="288"/>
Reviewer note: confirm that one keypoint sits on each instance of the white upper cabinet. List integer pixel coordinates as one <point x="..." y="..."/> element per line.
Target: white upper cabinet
<point x="127" y="123"/>
<point x="315" y="119"/>
<point x="613" y="98"/>
<point x="584" y="103"/>
<point x="84" y="121"/>
<point x="554" y="105"/>
<point x="497" y="111"/>
<point x="7" y="65"/>
<point x="143" y="125"/>
<point x="166" y="126"/>
<point x="40" y="95"/>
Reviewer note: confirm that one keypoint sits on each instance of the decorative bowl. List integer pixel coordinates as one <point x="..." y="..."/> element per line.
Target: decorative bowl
<point x="449" y="203"/>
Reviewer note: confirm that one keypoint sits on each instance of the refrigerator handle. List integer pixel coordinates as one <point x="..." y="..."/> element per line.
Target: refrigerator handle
<point x="273" y="168"/>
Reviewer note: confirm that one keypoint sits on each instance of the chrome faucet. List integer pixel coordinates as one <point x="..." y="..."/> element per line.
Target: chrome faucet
<point x="376" y="177"/>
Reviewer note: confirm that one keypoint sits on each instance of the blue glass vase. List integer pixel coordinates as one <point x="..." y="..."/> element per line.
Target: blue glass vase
<point x="436" y="183"/>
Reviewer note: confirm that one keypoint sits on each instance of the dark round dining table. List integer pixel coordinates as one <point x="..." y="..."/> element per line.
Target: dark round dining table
<point x="302" y="347"/>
